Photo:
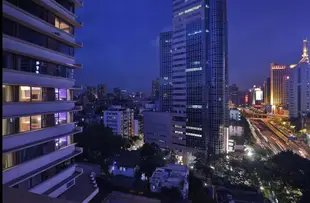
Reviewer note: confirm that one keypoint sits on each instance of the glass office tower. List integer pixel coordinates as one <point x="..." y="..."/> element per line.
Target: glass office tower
<point x="199" y="75"/>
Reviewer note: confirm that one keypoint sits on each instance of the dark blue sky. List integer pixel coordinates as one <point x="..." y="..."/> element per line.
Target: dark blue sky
<point x="120" y="39"/>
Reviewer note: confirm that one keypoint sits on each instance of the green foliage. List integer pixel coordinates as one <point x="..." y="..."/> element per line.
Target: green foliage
<point x="99" y="143"/>
<point x="170" y="195"/>
<point x="150" y="157"/>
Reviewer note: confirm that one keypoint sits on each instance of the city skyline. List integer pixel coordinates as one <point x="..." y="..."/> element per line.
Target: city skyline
<point x="140" y="55"/>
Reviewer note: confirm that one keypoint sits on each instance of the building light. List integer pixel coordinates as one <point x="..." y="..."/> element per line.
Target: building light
<point x="193" y="128"/>
<point x="194" y="134"/>
<point x="194" y="106"/>
<point x="178" y="132"/>
<point x="194" y="33"/>
<point x="177" y="126"/>
<point x="189" y="10"/>
<point x="193" y="69"/>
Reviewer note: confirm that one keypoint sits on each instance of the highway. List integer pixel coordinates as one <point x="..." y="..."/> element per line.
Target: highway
<point x="270" y="136"/>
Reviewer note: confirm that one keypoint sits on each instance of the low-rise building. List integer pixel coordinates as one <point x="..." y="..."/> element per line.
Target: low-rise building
<point x="125" y="164"/>
<point x="120" y="120"/>
<point x="170" y="176"/>
<point x="158" y="128"/>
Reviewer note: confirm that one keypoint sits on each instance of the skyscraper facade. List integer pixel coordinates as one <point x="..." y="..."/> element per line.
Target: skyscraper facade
<point x="38" y="149"/>
<point x="102" y="90"/>
<point x="165" y="73"/>
<point x="299" y="86"/>
<point x="233" y="94"/>
<point x="155" y="89"/>
<point x="277" y="84"/>
<point x="199" y="75"/>
<point x="267" y="91"/>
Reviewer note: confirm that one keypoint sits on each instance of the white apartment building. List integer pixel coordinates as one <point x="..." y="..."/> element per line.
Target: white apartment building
<point x="299" y="86"/>
<point x="120" y="120"/>
<point x="37" y="100"/>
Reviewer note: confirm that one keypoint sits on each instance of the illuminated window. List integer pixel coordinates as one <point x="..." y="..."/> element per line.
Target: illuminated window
<point x="8" y="160"/>
<point x="193" y="128"/>
<point x="24" y="124"/>
<point x="36" y="122"/>
<point x="62" y="142"/>
<point x="189" y="10"/>
<point x="7" y="93"/>
<point x="194" y="134"/>
<point x="193" y="69"/>
<point x="27" y="94"/>
<point x="24" y="93"/>
<point x="36" y="94"/>
<point x="178" y="132"/>
<point x="60" y="118"/>
<point x="61" y="94"/>
<point x="63" y="26"/>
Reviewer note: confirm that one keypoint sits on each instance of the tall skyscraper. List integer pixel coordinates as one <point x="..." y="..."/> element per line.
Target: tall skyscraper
<point x="199" y="75"/>
<point x="277" y="84"/>
<point x="267" y="91"/>
<point x="155" y="89"/>
<point x="165" y="73"/>
<point x="233" y="94"/>
<point x="102" y="90"/>
<point x="37" y="94"/>
<point x="299" y="86"/>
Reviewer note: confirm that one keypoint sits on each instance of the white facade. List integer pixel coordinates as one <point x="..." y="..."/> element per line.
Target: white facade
<point x="120" y="120"/>
<point x="299" y="86"/>
<point x="171" y="175"/>
<point x="37" y="95"/>
<point x="234" y="114"/>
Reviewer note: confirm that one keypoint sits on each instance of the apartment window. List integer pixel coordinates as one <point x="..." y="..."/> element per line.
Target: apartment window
<point x="27" y="94"/>
<point x="9" y="126"/>
<point x="60" y="94"/>
<point x="36" y="122"/>
<point x="62" y="142"/>
<point x="63" y="25"/>
<point x="24" y="123"/>
<point x="8" y="160"/>
<point x="60" y="118"/>
<point x="7" y="93"/>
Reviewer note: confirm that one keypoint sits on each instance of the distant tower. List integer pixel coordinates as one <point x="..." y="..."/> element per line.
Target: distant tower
<point x="299" y="86"/>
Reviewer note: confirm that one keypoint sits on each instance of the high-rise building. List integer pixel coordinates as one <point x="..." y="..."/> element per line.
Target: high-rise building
<point x="165" y="73"/>
<point x="117" y="93"/>
<point x="299" y="86"/>
<point x="102" y="90"/>
<point x="233" y="94"/>
<point x="199" y="75"/>
<point x="38" y="149"/>
<point x="155" y="89"/>
<point x="277" y="84"/>
<point x="267" y="91"/>
<point x="120" y="120"/>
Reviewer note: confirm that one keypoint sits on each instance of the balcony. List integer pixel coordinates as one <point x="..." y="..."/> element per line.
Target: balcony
<point x="26" y="139"/>
<point x="12" y="12"/>
<point x="60" y="11"/>
<point x="21" y="172"/>
<point x="18" y="46"/>
<point x="53" y="183"/>
<point x="38" y="80"/>
<point x="11" y="109"/>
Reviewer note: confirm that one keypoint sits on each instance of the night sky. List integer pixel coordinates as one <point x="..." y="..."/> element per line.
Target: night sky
<point x="121" y="40"/>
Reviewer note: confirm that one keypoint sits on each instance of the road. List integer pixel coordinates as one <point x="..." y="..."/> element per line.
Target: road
<point x="275" y="140"/>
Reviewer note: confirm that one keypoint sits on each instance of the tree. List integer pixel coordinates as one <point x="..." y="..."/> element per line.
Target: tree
<point x="150" y="157"/>
<point x="99" y="143"/>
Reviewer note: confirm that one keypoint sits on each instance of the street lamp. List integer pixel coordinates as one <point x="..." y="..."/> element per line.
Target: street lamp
<point x="250" y="153"/>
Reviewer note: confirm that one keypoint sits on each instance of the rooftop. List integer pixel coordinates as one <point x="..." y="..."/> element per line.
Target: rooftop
<point x="128" y="158"/>
<point x="13" y="195"/>
<point x="118" y="197"/>
<point x="83" y="189"/>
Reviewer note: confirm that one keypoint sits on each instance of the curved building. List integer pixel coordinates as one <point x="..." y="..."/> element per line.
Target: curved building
<point x="38" y="149"/>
